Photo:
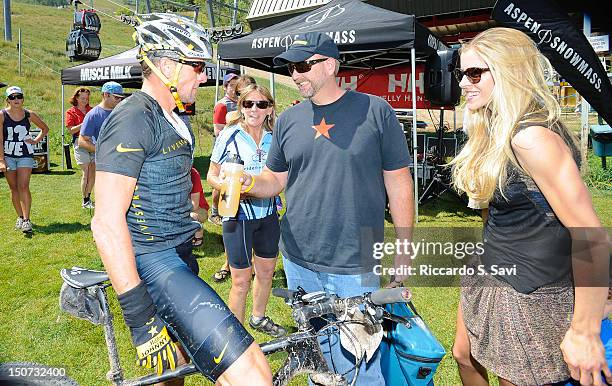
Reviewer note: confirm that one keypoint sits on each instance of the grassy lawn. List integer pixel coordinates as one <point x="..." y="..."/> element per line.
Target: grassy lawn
<point x="33" y="328"/>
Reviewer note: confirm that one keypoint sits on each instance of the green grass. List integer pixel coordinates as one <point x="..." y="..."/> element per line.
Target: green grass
<point x="33" y="328"/>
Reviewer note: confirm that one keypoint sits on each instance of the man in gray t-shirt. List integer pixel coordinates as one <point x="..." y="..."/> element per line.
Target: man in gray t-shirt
<point x="336" y="155"/>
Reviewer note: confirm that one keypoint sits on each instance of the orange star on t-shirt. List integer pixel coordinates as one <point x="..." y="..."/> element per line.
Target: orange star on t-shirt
<point x="322" y="129"/>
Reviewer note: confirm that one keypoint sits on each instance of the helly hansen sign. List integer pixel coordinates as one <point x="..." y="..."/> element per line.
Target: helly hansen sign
<point x="393" y="84"/>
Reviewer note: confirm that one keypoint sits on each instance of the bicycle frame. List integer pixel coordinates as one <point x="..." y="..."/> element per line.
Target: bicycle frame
<point x="304" y="355"/>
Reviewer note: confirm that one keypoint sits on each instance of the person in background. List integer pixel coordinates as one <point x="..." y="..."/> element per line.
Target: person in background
<point x="224" y="106"/>
<point x="335" y="198"/>
<point x="243" y="81"/>
<point x="255" y="226"/>
<point x="540" y="325"/>
<point x="74" y="119"/>
<point x="112" y="94"/>
<point x="17" y="153"/>
<point x="200" y="206"/>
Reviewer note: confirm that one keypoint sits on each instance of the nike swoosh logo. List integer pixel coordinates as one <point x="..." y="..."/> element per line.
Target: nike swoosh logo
<point x="218" y="359"/>
<point x="122" y="149"/>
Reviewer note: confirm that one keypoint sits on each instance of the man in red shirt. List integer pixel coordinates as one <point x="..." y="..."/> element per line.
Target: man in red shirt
<point x="200" y="206"/>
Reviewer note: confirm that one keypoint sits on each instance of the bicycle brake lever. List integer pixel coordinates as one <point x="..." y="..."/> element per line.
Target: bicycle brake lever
<point x="397" y="319"/>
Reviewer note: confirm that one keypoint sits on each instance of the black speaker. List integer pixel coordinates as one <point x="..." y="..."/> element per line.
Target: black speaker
<point x="441" y="87"/>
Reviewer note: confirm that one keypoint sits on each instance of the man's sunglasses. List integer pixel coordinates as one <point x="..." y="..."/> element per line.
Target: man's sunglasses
<point x="262" y="105"/>
<point x="305" y="66"/>
<point x="198" y="67"/>
<point x="12" y="97"/>
<point x="473" y="74"/>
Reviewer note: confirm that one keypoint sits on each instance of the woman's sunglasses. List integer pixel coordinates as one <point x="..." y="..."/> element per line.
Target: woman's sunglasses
<point x="12" y="97"/>
<point x="262" y="105"/>
<point x="305" y="66"/>
<point x="473" y="74"/>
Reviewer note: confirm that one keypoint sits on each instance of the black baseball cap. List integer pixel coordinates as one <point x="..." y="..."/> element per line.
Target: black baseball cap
<point x="306" y="45"/>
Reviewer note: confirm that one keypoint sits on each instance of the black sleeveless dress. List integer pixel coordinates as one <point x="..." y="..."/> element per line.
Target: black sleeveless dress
<point x="516" y="322"/>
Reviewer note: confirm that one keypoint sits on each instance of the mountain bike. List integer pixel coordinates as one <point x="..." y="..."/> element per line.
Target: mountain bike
<point x="83" y="295"/>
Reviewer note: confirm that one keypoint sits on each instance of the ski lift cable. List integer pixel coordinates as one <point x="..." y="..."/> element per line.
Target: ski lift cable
<point x="35" y="61"/>
<point x="106" y="14"/>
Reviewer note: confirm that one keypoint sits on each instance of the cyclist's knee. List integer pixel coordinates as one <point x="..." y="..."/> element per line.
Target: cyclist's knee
<point x="264" y="273"/>
<point x="241" y="282"/>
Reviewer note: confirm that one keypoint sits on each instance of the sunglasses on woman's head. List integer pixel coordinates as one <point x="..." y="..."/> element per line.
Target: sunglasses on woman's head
<point x="473" y="74"/>
<point x="260" y="104"/>
<point x="15" y="96"/>
<point x="305" y="66"/>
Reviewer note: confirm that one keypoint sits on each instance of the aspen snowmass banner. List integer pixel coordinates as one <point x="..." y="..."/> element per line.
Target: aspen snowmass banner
<point x="563" y="44"/>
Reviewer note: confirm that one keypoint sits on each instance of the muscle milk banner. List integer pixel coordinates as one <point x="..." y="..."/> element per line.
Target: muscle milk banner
<point x="390" y="83"/>
<point x="563" y="44"/>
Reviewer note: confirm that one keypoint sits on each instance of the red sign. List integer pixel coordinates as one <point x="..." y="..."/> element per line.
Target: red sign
<point x="393" y="84"/>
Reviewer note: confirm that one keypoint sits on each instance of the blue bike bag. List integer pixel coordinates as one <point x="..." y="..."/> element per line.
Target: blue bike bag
<point x="410" y="353"/>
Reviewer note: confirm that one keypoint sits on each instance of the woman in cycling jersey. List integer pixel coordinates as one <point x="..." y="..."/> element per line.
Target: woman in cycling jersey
<point x="17" y="154"/>
<point x="255" y="226"/>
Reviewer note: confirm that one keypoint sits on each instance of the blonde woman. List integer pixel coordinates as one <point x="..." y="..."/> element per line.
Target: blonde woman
<point x="255" y="228"/>
<point x="535" y="326"/>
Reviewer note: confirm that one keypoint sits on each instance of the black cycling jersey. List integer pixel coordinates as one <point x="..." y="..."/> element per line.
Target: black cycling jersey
<point x="138" y="141"/>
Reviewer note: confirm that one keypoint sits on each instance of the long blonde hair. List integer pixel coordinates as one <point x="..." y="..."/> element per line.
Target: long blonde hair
<point x="268" y="123"/>
<point x="520" y="97"/>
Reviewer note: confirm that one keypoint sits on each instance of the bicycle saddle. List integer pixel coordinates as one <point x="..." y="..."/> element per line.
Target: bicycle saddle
<point x="79" y="277"/>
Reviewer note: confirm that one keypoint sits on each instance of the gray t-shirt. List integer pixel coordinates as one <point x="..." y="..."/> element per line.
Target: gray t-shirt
<point x="335" y="155"/>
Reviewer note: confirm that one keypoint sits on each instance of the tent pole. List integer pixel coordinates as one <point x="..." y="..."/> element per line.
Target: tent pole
<point x="218" y="76"/>
<point x="414" y="134"/>
<point x="63" y="129"/>
<point x="272" y="90"/>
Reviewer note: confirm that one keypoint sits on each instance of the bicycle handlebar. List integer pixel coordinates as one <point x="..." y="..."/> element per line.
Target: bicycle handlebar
<point x="332" y="304"/>
<point x="391" y="295"/>
<point x="283" y="293"/>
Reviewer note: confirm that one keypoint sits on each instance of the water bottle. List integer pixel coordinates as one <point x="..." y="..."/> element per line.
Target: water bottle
<point x="230" y="191"/>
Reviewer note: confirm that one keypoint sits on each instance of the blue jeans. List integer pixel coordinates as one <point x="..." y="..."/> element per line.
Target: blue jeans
<point x="13" y="163"/>
<point x="338" y="359"/>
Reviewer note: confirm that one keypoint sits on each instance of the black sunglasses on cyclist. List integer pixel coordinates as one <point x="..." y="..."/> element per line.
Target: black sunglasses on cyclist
<point x="473" y="74"/>
<point x="12" y="97"/>
<point x="262" y="105"/>
<point x="305" y="66"/>
<point x="198" y="67"/>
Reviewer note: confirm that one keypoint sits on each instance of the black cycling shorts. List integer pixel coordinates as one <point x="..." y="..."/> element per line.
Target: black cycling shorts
<point x="242" y="237"/>
<point x="193" y="312"/>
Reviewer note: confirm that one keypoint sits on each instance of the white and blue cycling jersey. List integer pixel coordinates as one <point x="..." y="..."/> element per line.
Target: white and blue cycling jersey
<point x="234" y="140"/>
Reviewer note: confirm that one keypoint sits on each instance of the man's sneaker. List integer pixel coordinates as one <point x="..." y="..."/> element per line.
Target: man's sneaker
<point x="267" y="326"/>
<point x="215" y="219"/>
<point x="26" y="226"/>
<point x="88" y="205"/>
<point x="18" y="223"/>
